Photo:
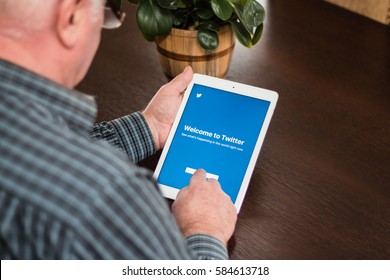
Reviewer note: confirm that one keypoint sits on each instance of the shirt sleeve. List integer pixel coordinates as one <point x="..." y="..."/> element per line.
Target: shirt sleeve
<point x="130" y="134"/>
<point x="206" y="247"/>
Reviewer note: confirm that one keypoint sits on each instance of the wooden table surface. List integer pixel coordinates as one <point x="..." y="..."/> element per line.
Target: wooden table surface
<point x="321" y="186"/>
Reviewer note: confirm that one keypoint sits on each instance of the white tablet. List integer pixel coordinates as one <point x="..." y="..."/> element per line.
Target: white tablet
<point x="220" y="127"/>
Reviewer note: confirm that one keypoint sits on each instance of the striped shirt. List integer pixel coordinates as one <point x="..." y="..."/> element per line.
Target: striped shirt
<point x="71" y="190"/>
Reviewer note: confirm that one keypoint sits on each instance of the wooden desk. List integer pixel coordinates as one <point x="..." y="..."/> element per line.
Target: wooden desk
<point x="321" y="186"/>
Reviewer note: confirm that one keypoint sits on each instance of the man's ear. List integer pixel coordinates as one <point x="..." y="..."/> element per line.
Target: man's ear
<point x="70" y="19"/>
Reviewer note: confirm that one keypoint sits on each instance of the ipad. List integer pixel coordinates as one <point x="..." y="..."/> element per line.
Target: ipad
<point x="220" y="127"/>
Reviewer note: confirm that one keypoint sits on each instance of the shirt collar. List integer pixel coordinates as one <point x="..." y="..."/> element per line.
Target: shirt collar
<point x="77" y="109"/>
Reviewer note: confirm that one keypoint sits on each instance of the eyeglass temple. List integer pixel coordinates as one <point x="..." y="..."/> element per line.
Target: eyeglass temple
<point x="115" y="9"/>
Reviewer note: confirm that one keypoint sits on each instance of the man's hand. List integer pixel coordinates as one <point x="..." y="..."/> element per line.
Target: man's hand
<point x="162" y="109"/>
<point x="203" y="208"/>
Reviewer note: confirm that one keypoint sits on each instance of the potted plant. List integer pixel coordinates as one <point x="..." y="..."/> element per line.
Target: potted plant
<point x="205" y="22"/>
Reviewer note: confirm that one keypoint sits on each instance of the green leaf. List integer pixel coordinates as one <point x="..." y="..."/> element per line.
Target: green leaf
<point x="253" y="14"/>
<point x="182" y="5"/>
<point x="242" y="34"/>
<point x="222" y="9"/>
<point x="179" y="17"/>
<point x="153" y="20"/>
<point x="239" y="9"/>
<point x="208" y="39"/>
<point x="203" y="9"/>
<point x="209" y="25"/>
<point x="204" y="13"/>
<point x="169" y="4"/>
<point x="257" y="35"/>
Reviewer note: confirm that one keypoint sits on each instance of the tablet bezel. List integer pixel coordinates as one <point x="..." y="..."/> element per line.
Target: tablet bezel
<point x="233" y="87"/>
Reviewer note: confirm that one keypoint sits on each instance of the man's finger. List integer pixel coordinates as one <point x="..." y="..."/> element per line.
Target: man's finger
<point x="199" y="175"/>
<point x="214" y="182"/>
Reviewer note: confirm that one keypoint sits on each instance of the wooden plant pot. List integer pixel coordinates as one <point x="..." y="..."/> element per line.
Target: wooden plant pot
<point x="181" y="48"/>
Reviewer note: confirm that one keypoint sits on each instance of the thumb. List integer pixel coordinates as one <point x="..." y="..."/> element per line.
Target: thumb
<point x="181" y="81"/>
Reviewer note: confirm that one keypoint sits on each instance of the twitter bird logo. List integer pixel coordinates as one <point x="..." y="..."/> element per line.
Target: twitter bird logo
<point x="198" y="95"/>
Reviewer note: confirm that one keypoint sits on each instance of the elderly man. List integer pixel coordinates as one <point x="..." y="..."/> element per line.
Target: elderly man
<point x="70" y="189"/>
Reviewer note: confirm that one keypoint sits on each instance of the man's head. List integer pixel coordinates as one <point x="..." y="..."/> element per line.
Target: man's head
<point x="55" y="38"/>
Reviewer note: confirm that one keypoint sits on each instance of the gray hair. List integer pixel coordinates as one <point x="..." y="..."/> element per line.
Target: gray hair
<point x="31" y="15"/>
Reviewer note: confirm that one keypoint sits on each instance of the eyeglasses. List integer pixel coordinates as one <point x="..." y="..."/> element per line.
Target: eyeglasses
<point x="113" y="15"/>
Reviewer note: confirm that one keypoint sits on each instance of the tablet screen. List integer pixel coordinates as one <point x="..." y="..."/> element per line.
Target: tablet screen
<point x="218" y="132"/>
